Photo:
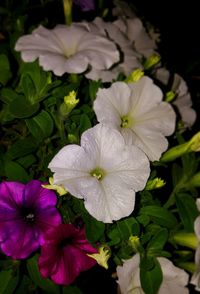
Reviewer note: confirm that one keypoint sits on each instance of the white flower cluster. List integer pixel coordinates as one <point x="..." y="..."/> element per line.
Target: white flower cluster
<point x="112" y="162"/>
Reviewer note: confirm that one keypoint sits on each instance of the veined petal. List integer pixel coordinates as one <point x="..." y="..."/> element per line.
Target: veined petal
<point x="108" y="200"/>
<point x="113" y="103"/>
<point x="101" y="52"/>
<point x="151" y="142"/>
<point x="160" y="118"/>
<point x="101" y="144"/>
<point x="71" y="166"/>
<point x="132" y="169"/>
<point x="145" y="95"/>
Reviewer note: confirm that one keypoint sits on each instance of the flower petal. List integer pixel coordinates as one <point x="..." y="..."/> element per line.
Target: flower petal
<point x="145" y="95"/>
<point x="24" y="237"/>
<point x="113" y="103"/>
<point x="151" y="142"/>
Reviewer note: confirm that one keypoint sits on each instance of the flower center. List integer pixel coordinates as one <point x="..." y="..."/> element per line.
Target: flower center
<point x="67" y="241"/>
<point x="126" y="121"/>
<point x="97" y="173"/>
<point x="28" y="215"/>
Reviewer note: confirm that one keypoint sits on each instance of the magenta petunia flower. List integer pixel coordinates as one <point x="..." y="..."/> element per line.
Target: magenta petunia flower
<point x="26" y="213"/>
<point x="85" y="5"/>
<point x="64" y="254"/>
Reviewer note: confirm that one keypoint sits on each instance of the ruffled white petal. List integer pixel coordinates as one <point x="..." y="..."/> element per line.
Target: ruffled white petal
<point x="152" y="143"/>
<point x="113" y="103"/>
<point x="130" y="60"/>
<point x="145" y="95"/>
<point x="110" y="200"/>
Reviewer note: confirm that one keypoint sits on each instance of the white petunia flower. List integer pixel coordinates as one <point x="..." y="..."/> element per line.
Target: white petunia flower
<point x="174" y="278"/>
<point x="130" y="59"/>
<point x="137" y="111"/>
<point x="67" y="49"/>
<point x="183" y="100"/>
<point x="136" y="33"/>
<point x="195" y="280"/>
<point x="103" y="171"/>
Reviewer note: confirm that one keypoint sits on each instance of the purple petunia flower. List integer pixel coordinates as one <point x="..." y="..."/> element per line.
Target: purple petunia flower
<point x="85" y="5"/>
<point x="26" y="213"/>
<point x="64" y="254"/>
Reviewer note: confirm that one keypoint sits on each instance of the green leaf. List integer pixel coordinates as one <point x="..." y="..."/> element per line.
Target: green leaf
<point x="123" y="230"/>
<point x="71" y="290"/>
<point x="34" y="273"/>
<point x="41" y="125"/>
<point x="85" y="123"/>
<point x="26" y="161"/>
<point x="5" y="115"/>
<point x="5" y="73"/>
<point x="128" y="227"/>
<point x="114" y="236"/>
<point x="157" y="242"/>
<point x="25" y="285"/>
<point x="151" y="279"/>
<point x="94" y="229"/>
<point x="22" y="148"/>
<point x="35" y="82"/>
<point x="20" y="107"/>
<point x="187" y="210"/>
<point x="177" y="174"/>
<point x="8" y="282"/>
<point x="160" y="215"/>
<point x="93" y="88"/>
<point x="28" y="88"/>
<point x="7" y="95"/>
<point x="15" y="172"/>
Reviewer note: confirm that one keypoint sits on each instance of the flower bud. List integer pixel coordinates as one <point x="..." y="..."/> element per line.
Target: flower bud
<point x="151" y="61"/>
<point x="185" y="239"/>
<point x="134" y="242"/>
<point x="191" y="146"/>
<point x="155" y="184"/>
<point x="169" y="96"/>
<point x="69" y="103"/>
<point x="67" y="5"/>
<point x="135" y="76"/>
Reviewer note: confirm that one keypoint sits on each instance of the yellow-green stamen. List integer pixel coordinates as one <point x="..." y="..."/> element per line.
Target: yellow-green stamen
<point x="126" y="121"/>
<point x="97" y="173"/>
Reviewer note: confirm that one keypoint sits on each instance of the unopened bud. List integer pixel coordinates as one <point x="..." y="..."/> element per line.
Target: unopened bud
<point x="155" y="184"/>
<point x="151" y="61"/>
<point x="135" y="76"/>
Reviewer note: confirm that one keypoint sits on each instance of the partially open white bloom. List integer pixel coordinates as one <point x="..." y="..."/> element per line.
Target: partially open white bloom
<point x="196" y="276"/>
<point x="67" y="49"/>
<point x="136" y="33"/>
<point x="174" y="278"/>
<point x="103" y="171"/>
<point x="138" y="112"/>
<point x="130" y="59"/>
<point x="183" y="99"/>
